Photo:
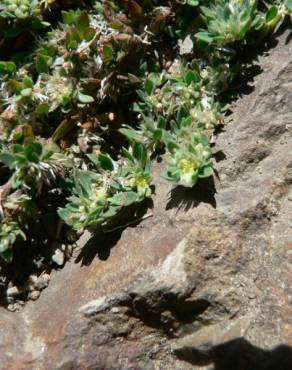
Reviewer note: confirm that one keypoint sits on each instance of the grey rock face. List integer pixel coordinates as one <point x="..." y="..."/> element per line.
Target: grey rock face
<point x="206" y="283"/>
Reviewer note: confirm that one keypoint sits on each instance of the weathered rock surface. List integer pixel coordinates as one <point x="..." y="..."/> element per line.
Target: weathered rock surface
<point x="206" y="283"/>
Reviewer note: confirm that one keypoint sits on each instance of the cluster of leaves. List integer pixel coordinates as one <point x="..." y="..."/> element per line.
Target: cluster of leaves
<point x="91" y="90"/>
<point x="231" y="21"/>
<point x="176" y="108"/>
<point x="100" y="196"/>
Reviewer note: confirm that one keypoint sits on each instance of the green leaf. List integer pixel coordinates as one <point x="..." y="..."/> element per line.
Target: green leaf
<point x="111" y="212"/>
<point x="42" y="109"/>
<point x="82" y="22"/>
<point x="271" y="14"/>
<point x="7" y="255"/>
<point x="86" y="99"/>
<point x="37" y="24"/>
<point x="193" y="2"/>
<point x="204" y="140"/>
<point x="138" y="151"/>
<point x="124" y="199"/>
<point x="63" y="129"/>
<point x="161" y="123"/>
<point x="149" y="87"/>
<point x="172" y="175"/>
<point x="149" y="124"/>
<point x="83" y="181"/>
<point x="43" y="63"/>
<point x="136" y="10"/>
<point x="17" y="148"/>
<point x="288" y="4"/>
<point x="206" y="172"/>
<point x="116" y="25"/>
<point x="8" y="159"/>
<point x="131" y="198"/>
<point x="130" y="134"/>
<point x="37" y="147"/>
<point x="31" y="155"/>
<point x="138" y="107"/>
<point x="172" y="146"/>
<point x="128" y="155"/>
<point x="89" y="33"/>
<point x="143" y="68"/>
<point x="94" y="158"/>
<point x="18" y="136"/>
<point x="182" y="113"/>
<point x="192" y="76"/>
<point x="7" y="68"/>
<point x="205" y="36"/>
<point x="26" y="92"/>
<point x="72" y="39"/>
<point x="27" y="82"/>
<point x="108" y="52"/>
<point x="70" y="16"/>
<point x="157" y="135"/>
<point x="105" y="162"/>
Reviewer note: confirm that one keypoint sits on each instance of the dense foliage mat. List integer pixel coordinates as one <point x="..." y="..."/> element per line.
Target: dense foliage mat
<point x="92" y="91"/>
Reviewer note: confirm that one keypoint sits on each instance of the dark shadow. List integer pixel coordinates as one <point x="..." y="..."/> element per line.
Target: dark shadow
<point x="219" y="156"/>
<point x="238" y="354"/>
<point x="249" y="64"/>
<point x="99" y="245"/>
<point x="288" y="38"/>
<point x="218" y="129"/>
<point x="30" y="257"/>
<point x="248" y="75"/>
<point x="102" y="241"/>
<point x="184" y="199"/>
<point x="243" y="83"/>
<point x="271" y="42"/>
<point x="170" y="310"/>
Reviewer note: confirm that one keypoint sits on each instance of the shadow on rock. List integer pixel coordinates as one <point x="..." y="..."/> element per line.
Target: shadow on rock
<point x="102" y="241"/>
<point x="219" y="156"/>
<point x="183" y="199"/>
<point x="288" y="38"/>
<point x="99" y="245"/>
<point x="238" y="354"/>
<point x="243" y="82"/>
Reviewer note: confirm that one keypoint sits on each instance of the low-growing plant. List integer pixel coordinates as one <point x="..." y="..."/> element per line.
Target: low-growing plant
<point x="188" y="153"/>
<point x="10" y="233"/>
<point x="91" y="91"/>
<point x="99" y="197"/>
<point x="150" y="132"/>
<point x="228" y="21"/>
<point x="31" y="165"/>
<point x="19" y="8"/>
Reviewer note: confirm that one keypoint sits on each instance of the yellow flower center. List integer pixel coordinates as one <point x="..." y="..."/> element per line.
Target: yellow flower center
<point x="141" y="182"/>
<point x="187" y="165"/>
<point x="99" y="194"/>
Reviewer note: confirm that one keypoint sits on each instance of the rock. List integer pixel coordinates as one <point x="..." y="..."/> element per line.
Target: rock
<point x="34" y="295"/>
<point x="186" y="46"/>
<point x="206" y="339"/>
<point x="58" y="257"/>
<point x="94" y="307"/>
<point x="32" y="280"/>
<point x="16" y="306"/>
<point x="185" y="292"/>
<point x="42" y="281"/>
<point x="31" y="283"/>
<point x="68" y="251"/>
<point x="205" y="283"/>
